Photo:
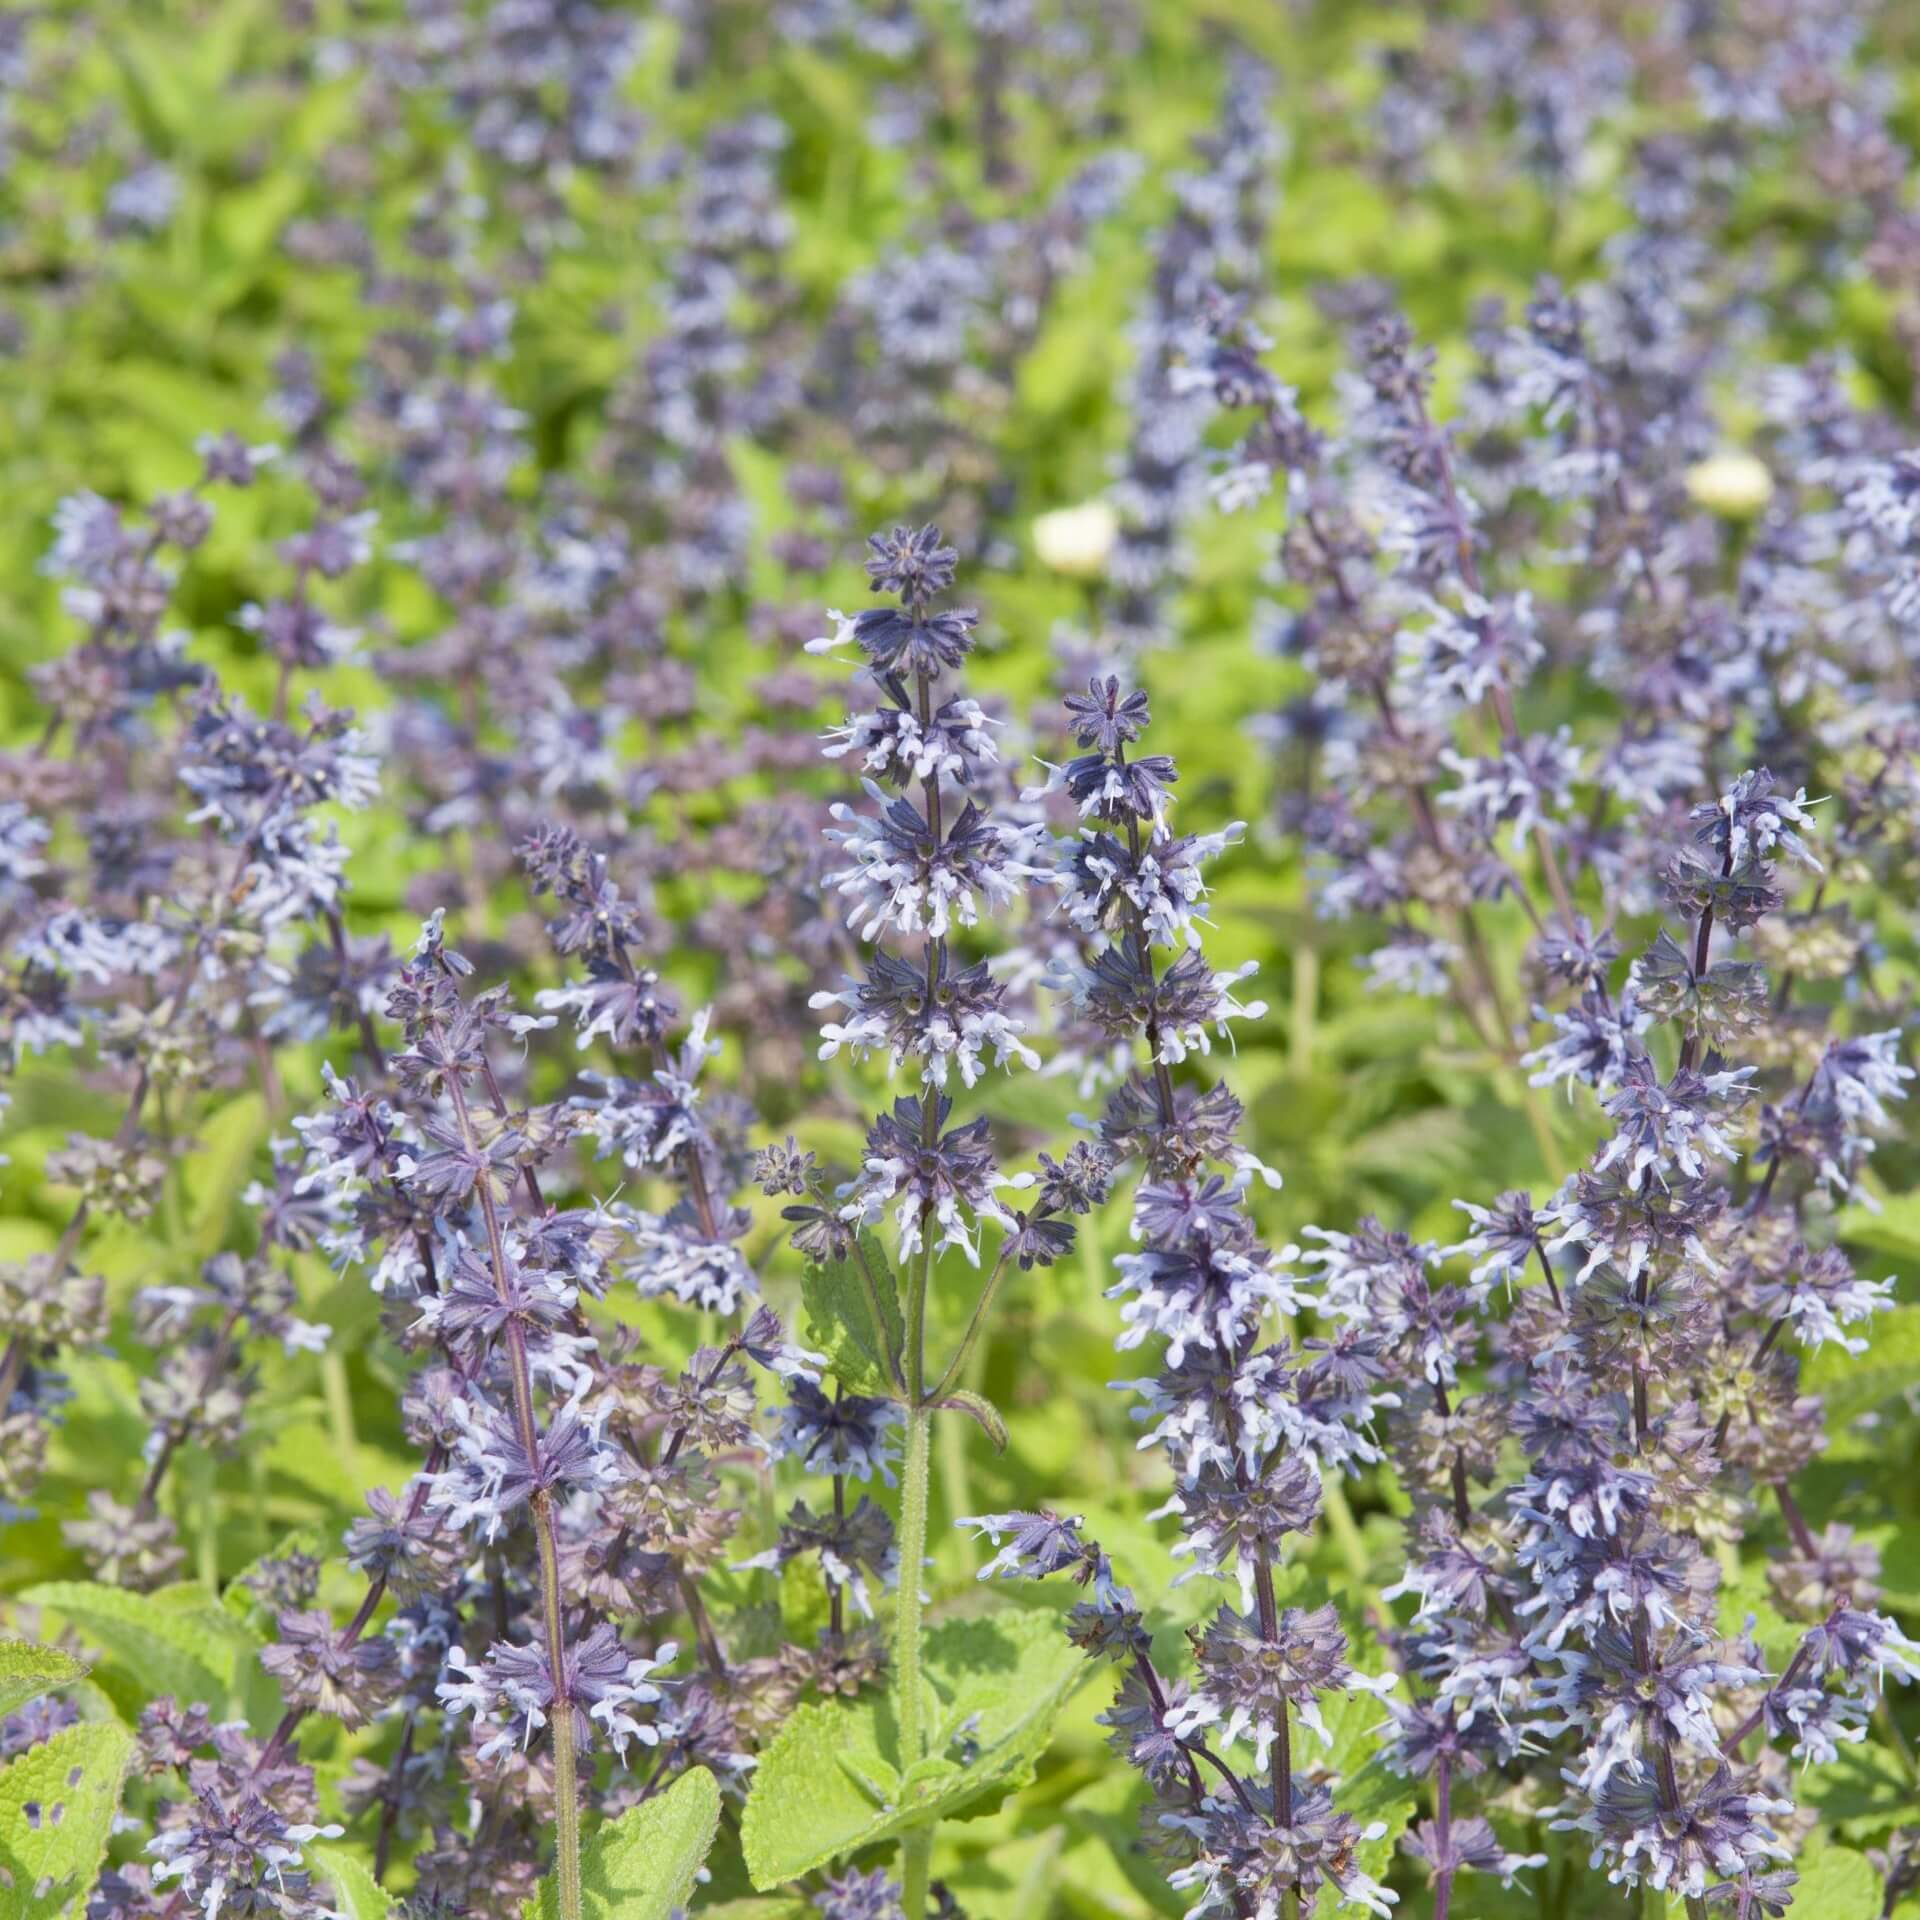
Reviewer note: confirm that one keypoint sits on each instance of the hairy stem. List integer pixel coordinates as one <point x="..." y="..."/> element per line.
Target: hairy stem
<point x="1797" y="1528"/>
<point x="916" y="1869"/>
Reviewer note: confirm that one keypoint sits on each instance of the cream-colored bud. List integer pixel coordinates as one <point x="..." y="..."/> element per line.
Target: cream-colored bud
<point x="1077" y="541"/>
<point x="1732" y="483"/>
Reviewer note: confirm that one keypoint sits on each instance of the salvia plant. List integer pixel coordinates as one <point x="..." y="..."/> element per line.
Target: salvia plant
<point x="958" y="959"/>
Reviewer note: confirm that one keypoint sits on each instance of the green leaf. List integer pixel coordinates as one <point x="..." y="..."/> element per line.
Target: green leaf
<point x="827" y="83"/>
<point x="642" y="1866"/>
<point x="156" y="1645"/>
<point x="57" y="1803"/>
<point x="1745" y="1594"/>
<point x="27" y="1671"/>
<point x="359" y="1894"/>
<point x="840" y="1318"/>
<point x="1863" y="1791"/>
<point x="1899" y="1564"/>
<point x="1368" y="1789"/>
<point x="831" y="1784"/>
<point x="1836" y="1884"/>
<point x="978" y="1407"/>
<point x="1892" y="1227"/>
<point x="216" y="1171"/>
<point x="1853" y="1384"/>
<point x="249" y="219"/>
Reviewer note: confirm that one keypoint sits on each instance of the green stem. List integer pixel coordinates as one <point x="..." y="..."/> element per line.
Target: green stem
<point x="914" y="1849"/>
<point x="338" y="1391"/>
<point x="1306" y="1002"/>
<point x="917" y="1847"/>
<point x="1552" y="1160"/>
<point x="916" y="1868"/>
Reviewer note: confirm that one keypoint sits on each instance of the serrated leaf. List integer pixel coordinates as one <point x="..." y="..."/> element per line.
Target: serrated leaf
<point x="1836" y="1884"/>
<point x="358" y="1894"/>
<point x="997" y="1685"/>
<point x="192" y="1651"/>
<point x="57" y="1803"/>
<point x="27" y="1671"/>
<point x="642" y="1866"/>
<point x="840" y="1322"/>
<point x="977" y="1407"/>
<point x="1374" y="1791"/>
<point x="1853" y="1384"/>
<point x="1377" y="1799"/>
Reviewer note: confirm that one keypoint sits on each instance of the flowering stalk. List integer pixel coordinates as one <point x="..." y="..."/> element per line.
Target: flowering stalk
<point x="566" y="1787"/>
<point x="1677" y="1313"/>
<point x="187" y="943"/>
<point x="922" y="871"/>
<point x="1247" y="1426"/>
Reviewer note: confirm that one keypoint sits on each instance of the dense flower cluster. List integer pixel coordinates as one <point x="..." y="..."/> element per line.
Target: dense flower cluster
<point x="1247" y="1420"/>
<point x="1652" y="1376"/>
<point x="558" y="1117"/>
